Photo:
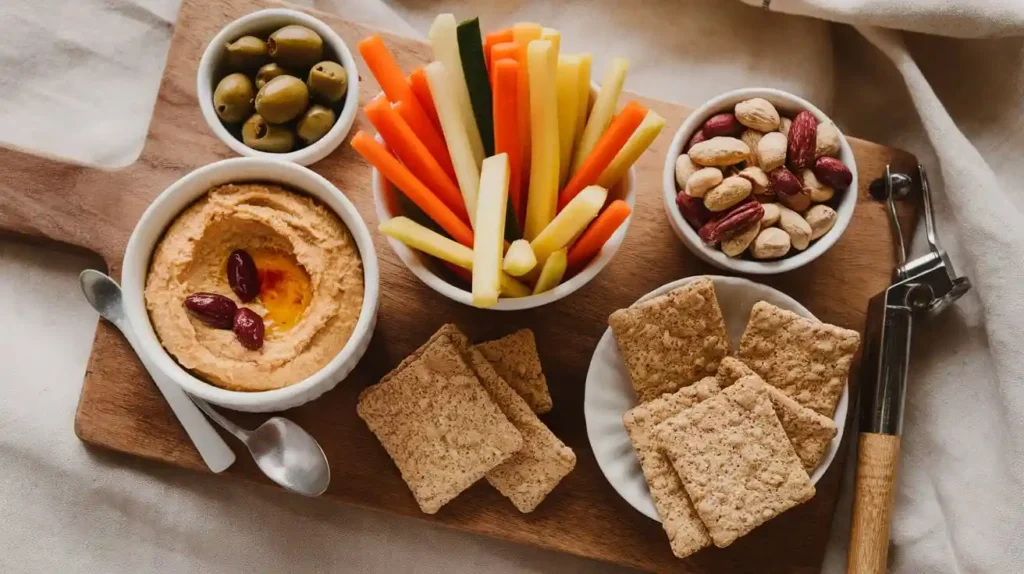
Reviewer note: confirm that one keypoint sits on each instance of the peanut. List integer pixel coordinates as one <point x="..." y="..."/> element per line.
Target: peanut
<point x="738" y="244"/>
<point x="703" y="180"/>
<point x="827" y="140"/>
<point x="798" y="202"/>
<point x="731" y="191"/>
<point x="752" y="138"/>
<point x="821" y="218"/>
<point x="757" y="177"/>
<point x="796" y="226"/>
<point x="771" y="151"/>
<point x="818" y="192"/>
<point x="758" y="114"/>
<point x="784" y="125"/>
<point x="770" y="243"/>
<point x="684" y="169"/>
<point x="719" y="152"/>
<point x="771" y="214"/>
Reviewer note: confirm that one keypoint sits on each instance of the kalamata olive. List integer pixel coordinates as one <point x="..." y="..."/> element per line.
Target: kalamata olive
<point x="248" y="328"/>
<point x="295" y="47"/>
<point x="242" y="275"/>
<point x="215" y="310"/>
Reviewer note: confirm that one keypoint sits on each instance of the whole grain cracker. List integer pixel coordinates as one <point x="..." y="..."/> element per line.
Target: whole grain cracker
<point x="808" y="360"/>
<point x="438" y="423"/>
<point x="735" y="461"/>
<point x="515" y="358"/>
<point x="810" y="432"/>
<point x="673" y="340"/>
<point x="686" y="533"/>
<point x="532" y="473"/>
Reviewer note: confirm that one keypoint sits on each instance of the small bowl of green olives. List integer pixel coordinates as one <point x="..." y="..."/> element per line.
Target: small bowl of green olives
<point x="279" y="83"/>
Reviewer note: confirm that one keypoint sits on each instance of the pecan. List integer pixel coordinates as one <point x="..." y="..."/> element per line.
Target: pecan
<point x="728" y="224"/>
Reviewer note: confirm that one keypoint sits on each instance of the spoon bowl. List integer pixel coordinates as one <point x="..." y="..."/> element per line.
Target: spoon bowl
<point x="289" y="456"/>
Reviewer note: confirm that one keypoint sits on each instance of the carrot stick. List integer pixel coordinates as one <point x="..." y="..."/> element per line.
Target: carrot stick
<point x="400" y="138"/>
<point x="420" y="87"/>
<point x="392" y="80"/>
<point x="506" y="128"/>
<point x="424" y="130"/>
<point x="493" y="39"/>
<point x="515" y="51"/>
<point x="377" y="155"/>
<point x="616" y="136"/>
<point x="599" y="232"/>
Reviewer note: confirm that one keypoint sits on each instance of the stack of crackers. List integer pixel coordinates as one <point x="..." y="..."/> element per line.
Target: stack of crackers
<point x="726" y="443"/>
<point x="452" y="413"/>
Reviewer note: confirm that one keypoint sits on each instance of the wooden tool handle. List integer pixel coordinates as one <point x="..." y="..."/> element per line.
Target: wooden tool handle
<point x="872" y="508"/>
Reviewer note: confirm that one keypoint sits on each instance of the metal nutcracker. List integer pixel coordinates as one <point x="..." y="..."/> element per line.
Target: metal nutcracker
<point x="921" y="287"/>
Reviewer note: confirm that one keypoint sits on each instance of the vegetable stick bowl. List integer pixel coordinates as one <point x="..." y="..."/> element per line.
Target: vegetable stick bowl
<point x="500" y="166"/>
<point x="442" y="279"/>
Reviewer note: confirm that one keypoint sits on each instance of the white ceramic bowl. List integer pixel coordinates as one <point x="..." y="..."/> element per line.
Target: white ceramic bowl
<point x="609" y="394"/>
<point x="166" y="207"/>
<point x="789" y="105"/>
<point x="262" y="23"/>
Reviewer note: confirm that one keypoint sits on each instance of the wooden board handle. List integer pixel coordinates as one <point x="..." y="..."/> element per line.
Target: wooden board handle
<point x="876" y="483"/>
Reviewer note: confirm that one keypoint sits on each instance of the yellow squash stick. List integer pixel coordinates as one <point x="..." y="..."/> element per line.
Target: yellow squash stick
<point x="553" y="36"/>
<point x="542" y="199"/>
<point x="634" y="147"/>
<point x="604" y="109"/>
<point x="570" y="222"/>
<point x="422" y="239"/>
<point x="519" y="259"/>
<point x="552" y="272"/>
<point x="467" y="170"/>
<point x="567" y="84"/>
<point x="488" y="240"/>
<point x="444" y="40"/>
<point x="584" y="106"/>
<point x="523" y="33"/>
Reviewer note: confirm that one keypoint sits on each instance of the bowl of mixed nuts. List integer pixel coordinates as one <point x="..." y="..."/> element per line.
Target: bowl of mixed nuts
<point x="759" y="181"/>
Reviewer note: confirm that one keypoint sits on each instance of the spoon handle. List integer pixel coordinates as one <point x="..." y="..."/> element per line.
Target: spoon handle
<point x="239" y="432"/>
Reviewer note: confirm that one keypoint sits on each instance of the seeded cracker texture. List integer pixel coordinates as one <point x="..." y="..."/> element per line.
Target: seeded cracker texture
<point x="809" y="431"/>
<point x="686" y="533"/>
<point x="438" y="423"/>
<point x="515" y="358"/>
<point x="673" y="340"/>
<point x="807" y="360"/>
<point x="735" y="461"/>
<point x="532" y="473"/>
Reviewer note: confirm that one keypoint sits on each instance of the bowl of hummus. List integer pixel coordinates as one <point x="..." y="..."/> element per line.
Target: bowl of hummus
<point x="310" y="291"/>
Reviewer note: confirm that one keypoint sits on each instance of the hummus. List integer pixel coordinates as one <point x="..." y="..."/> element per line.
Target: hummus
<point x="311" y="289"/>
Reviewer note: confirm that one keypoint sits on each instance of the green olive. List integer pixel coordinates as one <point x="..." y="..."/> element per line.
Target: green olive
<point x="315" y="123"/>
<point x="247" y="53"/>
<point x="233" y="98"/>
<point x="282" y="99"/>
<point x="259" y="135"/>
<point x="295" y="47"/>
<point x="328" y="81"/>
<point x="268" y="72"/>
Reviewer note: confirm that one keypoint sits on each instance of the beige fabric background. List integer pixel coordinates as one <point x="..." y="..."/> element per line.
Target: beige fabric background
<point x="79" y="78"/>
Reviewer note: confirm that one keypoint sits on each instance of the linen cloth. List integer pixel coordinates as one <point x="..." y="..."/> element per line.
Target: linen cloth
<point x="79" y="79"/>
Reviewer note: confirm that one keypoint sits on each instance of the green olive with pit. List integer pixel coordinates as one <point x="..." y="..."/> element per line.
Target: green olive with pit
<point x="282" y="99"/>
<point x="247" y="53"/>
<point x="233" y="98"/>
<point x="295" y="47"/>
<point x="263" y="136"/>
<point x="328" y="81"/>
<point x="268" y="72"/>
<point x="315" y="123"/>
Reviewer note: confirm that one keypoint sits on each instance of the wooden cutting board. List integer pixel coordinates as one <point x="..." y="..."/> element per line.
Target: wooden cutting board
<point x="120" y="409"/>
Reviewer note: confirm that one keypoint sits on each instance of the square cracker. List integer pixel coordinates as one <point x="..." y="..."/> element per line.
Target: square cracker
<point x="808" y="360"/>
<point x="673" y="340"/>
<point x="532" y="473"/>
<point x="809" y="431"/>
<point x="438" y="423"/>
<point x="735" y="461"/>
<point x="686" y="533"/>
<point x="516" y="360"/>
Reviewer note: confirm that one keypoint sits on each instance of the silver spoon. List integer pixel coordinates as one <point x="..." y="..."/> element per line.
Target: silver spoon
<point x="285" y="452"/>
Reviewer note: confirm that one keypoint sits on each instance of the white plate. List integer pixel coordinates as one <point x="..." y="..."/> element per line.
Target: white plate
<point x="608" y="394"/>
